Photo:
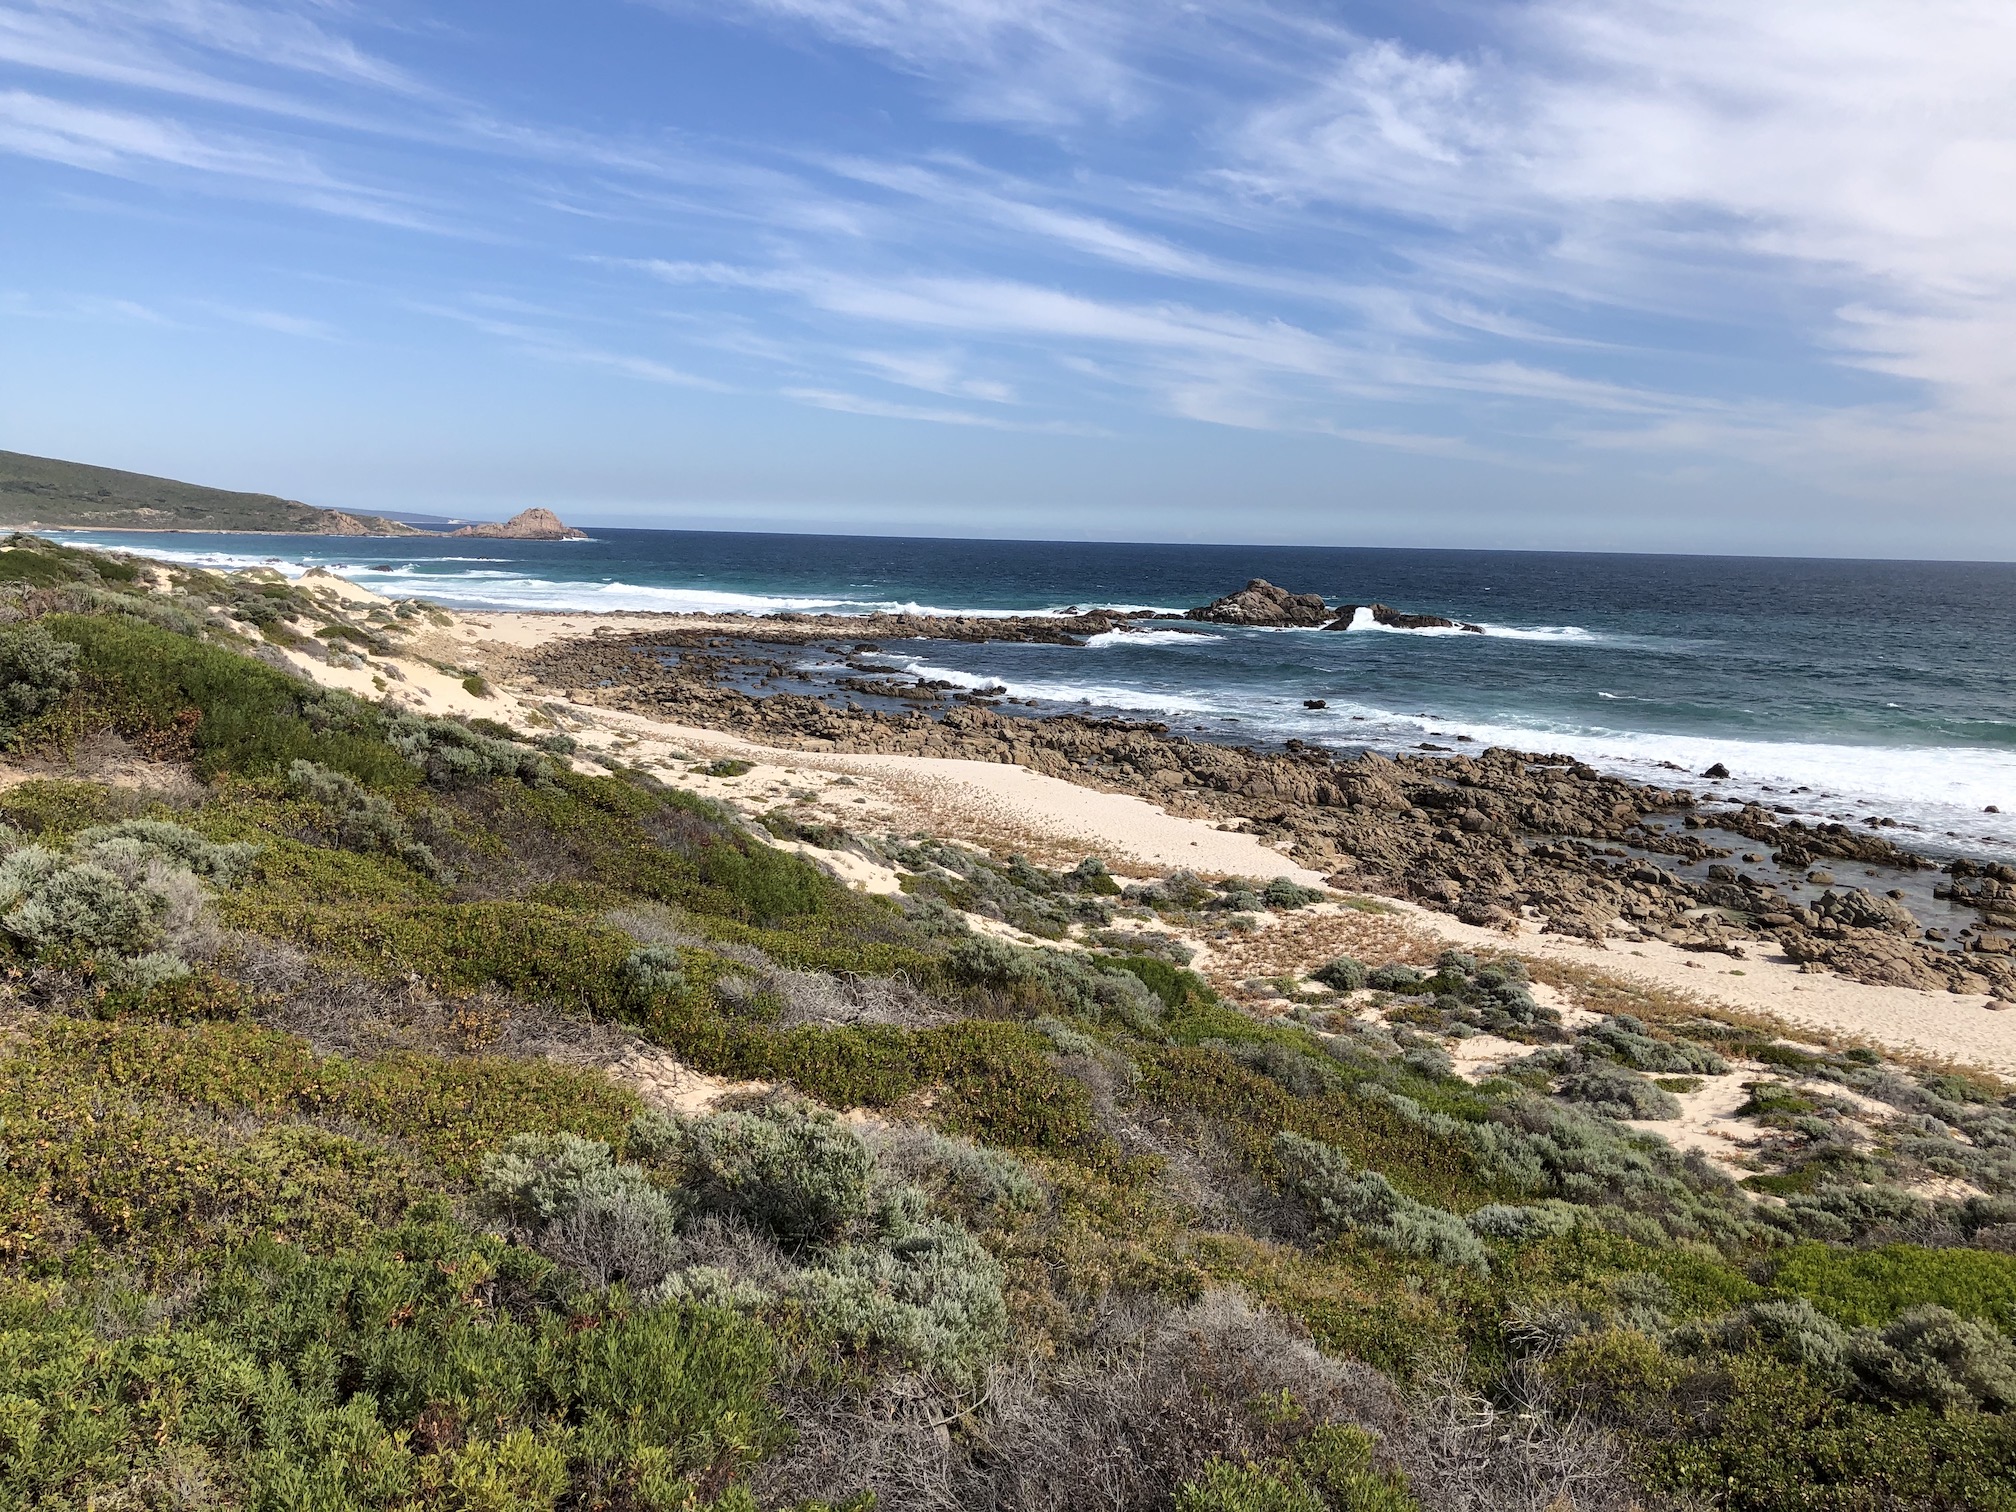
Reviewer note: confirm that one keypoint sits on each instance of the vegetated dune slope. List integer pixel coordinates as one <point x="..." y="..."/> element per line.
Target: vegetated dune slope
<point x="403" y="1111"/>
<point x="51" y="494"/>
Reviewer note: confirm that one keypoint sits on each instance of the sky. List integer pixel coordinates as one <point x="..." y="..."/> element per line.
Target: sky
<point x="1667" y="275"/>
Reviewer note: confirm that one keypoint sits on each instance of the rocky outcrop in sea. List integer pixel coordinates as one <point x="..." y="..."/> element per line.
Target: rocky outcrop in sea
<point x="526" y="525"/>
<point x="1261" y="605"/>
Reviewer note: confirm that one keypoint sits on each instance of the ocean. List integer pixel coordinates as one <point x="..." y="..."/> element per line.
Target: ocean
<point x="1836" y="689"/>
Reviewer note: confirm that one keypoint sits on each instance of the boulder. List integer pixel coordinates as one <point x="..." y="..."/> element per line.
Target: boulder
<point x="1397" y="619"/>
<point x="1261" y="603"/>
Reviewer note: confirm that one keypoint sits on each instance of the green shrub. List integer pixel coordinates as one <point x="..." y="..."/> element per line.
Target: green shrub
<point x="1394" y="978"/>
<point x="1874" y="1286"/>
<point x="1344" y="974"/>
<point x="1331" y="1470"/>
<point x="232" y="713"/>
<point x="37" y="672"/>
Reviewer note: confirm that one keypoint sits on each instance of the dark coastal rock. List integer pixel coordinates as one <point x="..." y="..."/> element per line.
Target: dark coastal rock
<point x="1492" y="836"/>
<point x="1261" y="604"/>
<point x="1315" y="703"/>
<point x="1717" y="772"/>
<point x="1397" y="619"/>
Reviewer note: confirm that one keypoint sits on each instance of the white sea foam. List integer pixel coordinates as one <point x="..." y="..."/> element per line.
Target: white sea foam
<point x="1150" y="638"/>
<point x="1939" y="788"/>
<point x="1050" y="690"/>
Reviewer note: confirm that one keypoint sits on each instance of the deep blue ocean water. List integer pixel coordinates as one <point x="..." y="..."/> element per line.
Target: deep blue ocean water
<point x="1841" y="688"/>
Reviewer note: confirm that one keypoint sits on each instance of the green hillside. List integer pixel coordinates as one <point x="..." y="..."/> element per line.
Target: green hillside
<point x="43" y="492"/>
<point x="344" y="1164"/>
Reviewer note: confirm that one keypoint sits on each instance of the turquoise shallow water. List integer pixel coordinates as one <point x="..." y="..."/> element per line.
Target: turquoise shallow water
<point x="1834" y="687"/>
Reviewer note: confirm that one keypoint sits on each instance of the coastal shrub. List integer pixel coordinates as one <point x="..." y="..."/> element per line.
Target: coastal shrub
<point x="37" y="672"/>
<point x="227" y="711"/>
<point x="1091" y="876"/>
<point x="1343" y="974"/>
<point x="785" y="1165"/>
<point x="1625" y="1040"/>
<point x="379" y="1377"/>
<point x="977" y="1183"/>
<point x="728" y="766"/>
<point x="1931" y="1356"/>
<point x="1616" y="1093"/>
<point x="1040" y="980"/>
<point x="450" y="752"/>
<point x="1285" y="894"/>
<point x="602" y="1219"/>
<point x="363" y="821"/>
<point x="1343" y="1201"/>
<point x="1521" y="1224"/>
<point x="652" y="969"/>
<point x="930" y="1297"/>
<point x="1788" y="1329"/>
<point x="1395" y="978"/>
<point x="1873" y="1286"/>
<point x="1331" y="1470"/>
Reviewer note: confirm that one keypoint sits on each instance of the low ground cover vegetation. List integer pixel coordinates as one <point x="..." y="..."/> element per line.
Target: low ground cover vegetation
<point x="318" y="1189"/>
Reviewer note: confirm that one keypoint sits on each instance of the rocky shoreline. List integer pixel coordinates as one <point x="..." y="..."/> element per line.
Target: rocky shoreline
<point x="1492" y="837"/>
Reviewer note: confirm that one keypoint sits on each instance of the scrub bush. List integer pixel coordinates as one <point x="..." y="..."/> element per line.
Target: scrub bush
<point x="930" y="1297"/>
<point x="37" y="672"/>
<point x="602" y="1219"/>
<point x="1343" y="1201"/>
<point x="785" y="1165"/>
<point x="1051" y="980"/>
<point x="1344" y="974"/>
<point x="1617" y="1093"/>
<point x="1932" y="1357"/>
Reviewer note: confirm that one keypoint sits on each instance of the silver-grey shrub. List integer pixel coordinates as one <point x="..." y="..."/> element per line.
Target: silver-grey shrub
<point x="35" y="675"/>
<point x="572" y="1199"/>
<point x="1077" y="986"/>
<point x="931" y="1298"/>
<point x="1341" y="1200"/>
<point x="1514" y="1224"/>
<point x="1616" y="1092"/>
<point x="1934" y="1357"/>
<point x="786" y="1165"/>
<point x="363" y="821"/>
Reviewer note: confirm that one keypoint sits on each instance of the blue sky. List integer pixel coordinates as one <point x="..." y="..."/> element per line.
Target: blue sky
<point x="1722" y="275"/>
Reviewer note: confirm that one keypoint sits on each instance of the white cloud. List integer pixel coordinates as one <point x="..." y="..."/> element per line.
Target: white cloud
<point x="856" y="404"/>
<point x="1705" y="156"/>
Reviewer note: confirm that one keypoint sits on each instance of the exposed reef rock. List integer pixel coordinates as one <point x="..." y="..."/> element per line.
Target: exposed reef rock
<point x="1265" y="606"/>
<point x="1397" y="619"/>
<point x="1491" y="838"/>
<point x="1260" y="603"/>
<point x="526" y="525"/>
<point x="337" y="522"/>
